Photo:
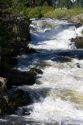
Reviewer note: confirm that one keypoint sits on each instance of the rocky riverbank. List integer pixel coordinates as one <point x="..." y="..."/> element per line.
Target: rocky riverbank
<point x="15" y="38"/>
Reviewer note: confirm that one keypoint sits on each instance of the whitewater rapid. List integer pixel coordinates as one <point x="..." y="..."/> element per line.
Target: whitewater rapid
<point x="58" y="97"/>
<point x="64" y="101"/>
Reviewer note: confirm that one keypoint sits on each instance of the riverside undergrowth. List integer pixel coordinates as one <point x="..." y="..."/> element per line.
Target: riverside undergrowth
<point x="49" y="12"/>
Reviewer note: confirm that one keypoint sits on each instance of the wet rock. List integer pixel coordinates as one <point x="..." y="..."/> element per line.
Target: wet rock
<point x="19" y="98"/>
<point x="43" y="64"/>
<point x="13" y="100"/>
<point x="78" y="65"/>
<point x="4" y="108"/>
<point x="30" y="50"/>
<point x="62" y="59"/>
<point x="7" y="63"/>
<point x="16" y="78"/>
<point x="38" y="82"/>
<point x="78" y="41"/>
<point x="36" y="71"/>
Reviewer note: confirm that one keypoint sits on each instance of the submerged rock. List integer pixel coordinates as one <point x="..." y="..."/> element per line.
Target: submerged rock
<point x="36" y="71"/>
<point x="43" y="64"/>
<point x="18" y="98"/>
<point x="62" y="59"/>
<point x="78" y="65"/>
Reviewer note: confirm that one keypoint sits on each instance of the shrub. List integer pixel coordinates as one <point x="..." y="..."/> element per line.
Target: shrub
<point x="35" y="12"/>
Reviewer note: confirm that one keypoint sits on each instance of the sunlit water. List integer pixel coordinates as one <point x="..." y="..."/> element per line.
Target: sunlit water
<point x="58" y="92"/>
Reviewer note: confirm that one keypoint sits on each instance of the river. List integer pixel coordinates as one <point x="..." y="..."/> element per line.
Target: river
<point x="58" y="92"/>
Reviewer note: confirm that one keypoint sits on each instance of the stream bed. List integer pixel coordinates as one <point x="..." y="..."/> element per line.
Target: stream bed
<point x="58" y="92"/>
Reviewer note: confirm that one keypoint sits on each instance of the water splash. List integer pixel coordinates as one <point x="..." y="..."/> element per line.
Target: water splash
<point x="63" y="103"/>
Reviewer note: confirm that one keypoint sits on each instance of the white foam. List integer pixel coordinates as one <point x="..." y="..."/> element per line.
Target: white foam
<point x="60" y="35"/>
<point x="55" y="110"/>
<point x="57" y="76"/>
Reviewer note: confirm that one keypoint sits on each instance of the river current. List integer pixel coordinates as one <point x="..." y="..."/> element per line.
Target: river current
<point x="58" y="92"/>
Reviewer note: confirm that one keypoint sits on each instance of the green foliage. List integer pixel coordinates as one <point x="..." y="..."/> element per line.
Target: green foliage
<point x="63" y="13"/>
<point x="41" y="8"/>
<point x="57" y="13"/>
<point x="35" y="12"/>
<point x="46" y="9"/>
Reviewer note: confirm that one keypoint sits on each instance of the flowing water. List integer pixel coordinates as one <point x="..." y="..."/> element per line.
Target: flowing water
<point x="58" y="92"/>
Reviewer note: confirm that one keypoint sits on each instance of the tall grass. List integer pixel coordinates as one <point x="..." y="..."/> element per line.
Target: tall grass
<point x="47" y="11"/>
<point x="63" y="13"/>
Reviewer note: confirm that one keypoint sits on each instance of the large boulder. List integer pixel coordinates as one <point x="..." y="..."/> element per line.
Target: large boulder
<point x="16" y="78"/>
<point x="62" y="59"/>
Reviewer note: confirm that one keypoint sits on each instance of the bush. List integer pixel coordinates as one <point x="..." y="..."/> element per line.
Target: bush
<point x="57" y="13"/>
<point x="35" y="12"/>
<point x="46" y="9"/>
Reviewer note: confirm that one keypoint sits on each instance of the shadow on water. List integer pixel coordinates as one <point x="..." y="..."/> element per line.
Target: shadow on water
<point x="38" y="94"/>
<point x="21" y="121"/>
